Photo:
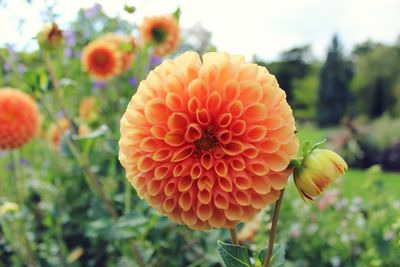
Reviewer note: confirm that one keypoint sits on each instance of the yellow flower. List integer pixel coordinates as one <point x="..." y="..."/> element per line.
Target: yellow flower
<point x="8" y="207"/>
<point x="317" y="171"/>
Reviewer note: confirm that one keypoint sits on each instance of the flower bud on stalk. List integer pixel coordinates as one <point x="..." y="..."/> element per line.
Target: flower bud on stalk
<point x="317" y="171"/>
<point x="50" y="37"/>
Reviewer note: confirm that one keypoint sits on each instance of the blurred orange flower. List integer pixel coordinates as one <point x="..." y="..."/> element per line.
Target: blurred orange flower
<point x="101" y="60"/>
<point x="55" y="134"/>
<point x="19" y="118"/>
<point x="126" y="45"/>
<point x="208" y="143"/>
<point x="162" y="32"/>
<point x="88" y="109"/>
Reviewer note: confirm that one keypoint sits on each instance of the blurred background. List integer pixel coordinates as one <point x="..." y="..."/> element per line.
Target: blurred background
<point x="338" y="62"/>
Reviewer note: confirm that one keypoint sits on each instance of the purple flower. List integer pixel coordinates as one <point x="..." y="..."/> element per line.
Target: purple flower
<point x="97" y="85"/>
<point x="21" y="68"/>
<point x="133" y="81"/>
<point x="6" y="66"/>
<point x="69" y="37"/>
<point x="11" y="51"/>
<point x="154" y="61"/>
<point x="92" y="11"/>
<point x="68" y="53"/>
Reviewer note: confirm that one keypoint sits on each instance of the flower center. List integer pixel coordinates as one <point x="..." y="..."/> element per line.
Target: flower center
<point x="100" y="58"/>
<point x="159" y="34"/>
<point x="208" y="141"/>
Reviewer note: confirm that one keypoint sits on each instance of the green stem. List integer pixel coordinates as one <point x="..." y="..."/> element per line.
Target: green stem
<point x="128" y="197"/>
<point x="234" y="237"/>
<point x="19" y="181"/>
<point x="90" y="178"/>
<point x="56" y="85"/>
<point x="272" y="233"/>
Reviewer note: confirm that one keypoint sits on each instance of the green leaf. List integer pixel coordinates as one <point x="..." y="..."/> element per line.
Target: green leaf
<point x="306" y="148"/>
<point x="177" y="13"/>
<point x="129" y="9"/>
<point x="317" y="144"/>
<point x="102" y="130"/>
<point x="278" y="255"/>
<point x="233" y="256"/>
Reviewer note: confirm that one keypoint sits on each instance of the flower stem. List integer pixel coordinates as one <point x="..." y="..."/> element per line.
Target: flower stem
<point x="56" y="85"/>
<point x="272" y="233"/>
<point x="234" y="237"/>
<point x="20" y="198"/>
<point x="137" y="256"/>
<point x="91" y="179"/>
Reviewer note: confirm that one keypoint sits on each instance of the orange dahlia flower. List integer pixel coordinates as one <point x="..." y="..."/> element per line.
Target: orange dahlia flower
<point x="19" y="118"/>
<point x="162" y="32"/>
<point x="208" y="143"/>
<point x="102" y="60"/>
<point x="126" y="45"/>
<point x="88" y="109"/>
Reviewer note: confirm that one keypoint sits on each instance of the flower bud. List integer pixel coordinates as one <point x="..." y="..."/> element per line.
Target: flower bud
<point x="317" y="171"/>
<point x="50" y="37"/>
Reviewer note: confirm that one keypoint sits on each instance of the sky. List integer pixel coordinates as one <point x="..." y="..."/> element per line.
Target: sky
<point x="264" y="28"/>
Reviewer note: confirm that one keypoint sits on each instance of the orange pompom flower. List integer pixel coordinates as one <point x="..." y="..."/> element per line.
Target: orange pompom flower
<point x="208" y="143"/>
<point x="19" y="118"/>
<point x="162" y="32"/>
<point x="102" y="60"/>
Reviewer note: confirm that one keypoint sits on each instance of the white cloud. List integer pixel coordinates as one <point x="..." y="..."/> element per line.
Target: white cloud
<point x="262" y="27"/>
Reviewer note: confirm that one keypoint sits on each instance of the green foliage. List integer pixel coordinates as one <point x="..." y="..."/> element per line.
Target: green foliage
<point x="334" y="91"/>
<point x="376" y="79"/>
<point x="234" y="256"/>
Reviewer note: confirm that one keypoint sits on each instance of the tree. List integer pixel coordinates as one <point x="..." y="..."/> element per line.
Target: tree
<point x="333" y="92"/>
<point x="293" y="64"/>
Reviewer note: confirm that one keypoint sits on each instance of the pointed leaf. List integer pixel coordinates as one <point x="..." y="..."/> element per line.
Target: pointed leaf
<point x="234" y="256"/>
<point x="278" y="255"/>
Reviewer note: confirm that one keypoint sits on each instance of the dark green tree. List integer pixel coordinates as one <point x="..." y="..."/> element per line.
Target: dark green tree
<point x="334" y="88"/>
<point x="293" y="64"/>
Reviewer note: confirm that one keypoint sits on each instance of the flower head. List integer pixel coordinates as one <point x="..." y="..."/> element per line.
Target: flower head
<point x="56" y="131"/>
<point x="19" y="118"/>
<point x="50" y="36"/>
<point x="317" y="171"/>
<point x="162" y="32"/>
<point x="108" y="56"/>
<point x="88" y="109"/>
<point x="207" y="143"/>
<point x="101" y="60"/>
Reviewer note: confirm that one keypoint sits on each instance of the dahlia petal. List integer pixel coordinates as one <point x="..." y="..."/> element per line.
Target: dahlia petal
<point x="185" y="201"/>
<point x="221" y="168"/>
<point x="174" y="84"/>
<point x="243" y="181"/>
<point x="233" y="212"/>
<point x="193" y="132"/>
<point x="174" y="138"/>
<point x="205" y="182"/>
<point x="248" y="72"/>
<point x="233" y="148"/>
<point x="148" y="144"/>
<point x="251" y="151"/>
<point x="217" y="219"/>
<point x="238" y="127"/>
<point x="170" y="188"/>
<point x="250" y="92"/>
<point x="277" y="161"/>
<point x="189" y="217"/>
<point x="174" y="101"/>
<point x="274" y="122"/>
<point x="198" y="89"/>
<point x="145" y="163"/>
<point x="204" y="212"/>
<point x="237" y="163"/>
<point x="269" y="145"/>
<point x="221" y="200"/>
<point x="225" y="184"/>
<point x="255" y="112"/>
<point x="258" y="167"/>
<point x="224" y="136"/>
<point x="256" y="133"/>
<point x="169" y="204"/>
<point x="153" y="187"/>
<point x="162" y="171"/>
<point x="242" y="197"/>
<point x="235" y="108"/>
<point x="196" y="171"/>
<point x="261" y="185"/>
<point x="185" y="183"/>
<point x="194" y="104"/>
<point x="224" y="119"/>
<point x="203" y="117"/>
<point x="209" y="73"/>
<point x="162" y="154"/>
<point x="156" y="111"/>
<point x="231" y="90"/>
<point x="207" y="160"/>
<point x="158" y="131"/>
<point x="204" y="196"/>
<point x="213" y="101"/>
